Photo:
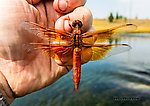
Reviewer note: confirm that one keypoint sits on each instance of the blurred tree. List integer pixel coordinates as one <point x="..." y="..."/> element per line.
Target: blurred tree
<point x="120" y="17"/>
<point x="136" y="17"/>
<point x="111" y="17"/>
<point x="117" y="16"/>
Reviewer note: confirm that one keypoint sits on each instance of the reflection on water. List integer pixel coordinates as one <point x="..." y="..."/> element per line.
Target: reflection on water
<point x="122" y="79"/>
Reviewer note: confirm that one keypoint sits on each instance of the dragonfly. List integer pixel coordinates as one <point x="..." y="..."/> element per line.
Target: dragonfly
<point x="78" y="47"/>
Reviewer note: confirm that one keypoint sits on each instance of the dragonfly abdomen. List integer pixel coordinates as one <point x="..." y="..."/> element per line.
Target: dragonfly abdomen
<point x="76" y="67"/>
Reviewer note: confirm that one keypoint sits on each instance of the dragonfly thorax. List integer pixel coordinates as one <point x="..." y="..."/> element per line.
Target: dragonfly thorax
<point x="77" y="36"/>
<point x="77" y="40"/>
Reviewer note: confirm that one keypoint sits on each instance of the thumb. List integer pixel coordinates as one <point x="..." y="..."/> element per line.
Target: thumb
<point x="81" y="13"/>
<point x="66" y="6"/>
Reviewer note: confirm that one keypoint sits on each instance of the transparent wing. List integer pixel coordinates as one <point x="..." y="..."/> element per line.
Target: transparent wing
<point x="50" y="49"/>
<point x="101" y="51"/>
<point x="54" y="41"/>
<point x="101" y="36"/>
<point x="44" y="32"/>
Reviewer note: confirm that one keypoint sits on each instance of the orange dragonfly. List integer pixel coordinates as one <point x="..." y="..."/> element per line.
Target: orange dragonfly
<point x="78" y="47"/>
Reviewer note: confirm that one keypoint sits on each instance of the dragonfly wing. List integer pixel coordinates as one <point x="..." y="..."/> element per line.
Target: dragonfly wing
<point x="101" y="51"/>
<point x="45" y="47"/>
<point x="55" y="43"/>
<point x="101" y="36"/>
<point x="44" y="32"/>
<point x="53" y="49"/>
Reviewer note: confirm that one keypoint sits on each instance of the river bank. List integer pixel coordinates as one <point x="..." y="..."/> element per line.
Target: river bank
<point x="143" y="25"/>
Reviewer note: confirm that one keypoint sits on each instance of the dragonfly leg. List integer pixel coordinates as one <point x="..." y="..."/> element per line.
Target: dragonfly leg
<point x="67" y="18"/>
<point x="67" y="68"/>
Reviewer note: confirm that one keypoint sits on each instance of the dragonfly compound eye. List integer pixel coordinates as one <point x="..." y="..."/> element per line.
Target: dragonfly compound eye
<point x="77" y="22"/>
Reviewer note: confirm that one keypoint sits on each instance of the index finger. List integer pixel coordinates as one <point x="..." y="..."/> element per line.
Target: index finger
<point x="66" y="6"/>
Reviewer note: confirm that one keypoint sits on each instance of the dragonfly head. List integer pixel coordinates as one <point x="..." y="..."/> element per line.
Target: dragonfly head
<point x="77" y="23"/>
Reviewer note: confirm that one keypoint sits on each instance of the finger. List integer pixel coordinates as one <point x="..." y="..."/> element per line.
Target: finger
<point x="81" y="13"/>
<point x="33" y="1"/>
<point x="66" y="6"/>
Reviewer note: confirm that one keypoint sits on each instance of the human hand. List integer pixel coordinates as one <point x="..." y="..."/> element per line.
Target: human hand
<point x="26" y="70"/>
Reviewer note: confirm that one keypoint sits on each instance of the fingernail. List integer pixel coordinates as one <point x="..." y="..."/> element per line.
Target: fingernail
<point x="63" y="5"/>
